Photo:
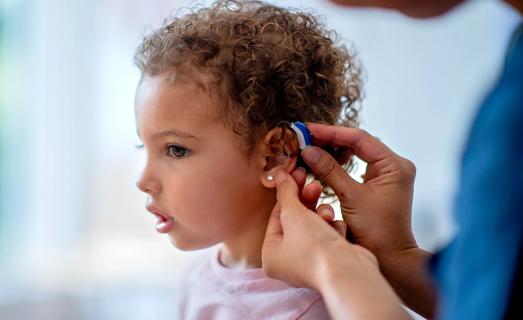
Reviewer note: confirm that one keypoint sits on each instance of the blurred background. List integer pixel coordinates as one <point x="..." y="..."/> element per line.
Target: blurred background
<point x="75" y="239"/>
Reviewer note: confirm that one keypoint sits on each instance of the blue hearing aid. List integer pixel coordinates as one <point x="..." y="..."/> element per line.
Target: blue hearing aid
<point x="302" y="134"/>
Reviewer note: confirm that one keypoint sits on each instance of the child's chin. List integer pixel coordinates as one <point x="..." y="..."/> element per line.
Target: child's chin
<point x="187" y="245"/>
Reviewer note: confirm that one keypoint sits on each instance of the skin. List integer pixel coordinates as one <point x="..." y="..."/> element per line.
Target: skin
<point x="235" y="208"/>
<point x="377" y="212"/>
<point x="416" y="8"/>
<point x="317" y="268"/>
<point x="333" y="267"/>
<point x="182" y="165"/>
<point x="412" y="8"/>
<point x="383" y="200"/>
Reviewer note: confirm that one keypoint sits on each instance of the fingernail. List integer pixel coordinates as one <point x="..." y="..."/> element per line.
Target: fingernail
<point x="317" y="182"/>
<point x="310" y="154"/>
<point x="327" y="213"/>
<point x="302" y="169"/>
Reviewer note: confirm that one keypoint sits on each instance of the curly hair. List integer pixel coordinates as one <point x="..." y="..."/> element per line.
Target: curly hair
<point x="272" y="63"/>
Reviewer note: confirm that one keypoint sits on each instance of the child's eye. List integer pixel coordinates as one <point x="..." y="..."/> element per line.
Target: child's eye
<point x="177" y="151"/>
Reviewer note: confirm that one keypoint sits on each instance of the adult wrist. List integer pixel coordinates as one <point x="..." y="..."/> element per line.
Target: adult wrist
<point x="395" y="261"/>
<point x="341" y="261"/>
<point x="327" y="265"/>
<point x="396" y="252"/>
<point x="350" y="281"/>
<point x="407" y="272"/>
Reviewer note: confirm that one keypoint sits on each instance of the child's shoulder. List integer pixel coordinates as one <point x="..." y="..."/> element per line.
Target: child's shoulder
<point x="244" y="294"/>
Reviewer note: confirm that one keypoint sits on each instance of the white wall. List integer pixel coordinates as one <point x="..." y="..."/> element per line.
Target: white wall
<point x="72" y="222"/>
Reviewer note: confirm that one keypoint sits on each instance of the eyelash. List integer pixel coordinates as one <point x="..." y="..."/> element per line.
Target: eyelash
<point x="171" y="151"/>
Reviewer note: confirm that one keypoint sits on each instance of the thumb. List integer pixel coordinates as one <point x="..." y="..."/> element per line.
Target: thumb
<point x="327" y="169"/>
<point x="287" y="192"/>
<point x="274" y="228"/>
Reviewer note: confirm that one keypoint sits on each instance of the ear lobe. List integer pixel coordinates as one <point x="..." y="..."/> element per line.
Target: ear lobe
<point x="280" y="151"/>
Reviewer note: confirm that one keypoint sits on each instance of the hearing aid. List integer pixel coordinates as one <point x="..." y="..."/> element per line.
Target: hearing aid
<point x="302" y="133"/>
<point x="292" y="145"/>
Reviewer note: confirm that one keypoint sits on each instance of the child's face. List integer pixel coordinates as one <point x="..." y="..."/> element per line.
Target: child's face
<point x="196" y="171"/>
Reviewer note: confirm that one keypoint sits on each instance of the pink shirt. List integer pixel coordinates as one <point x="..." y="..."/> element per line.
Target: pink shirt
<point x="211" y="291"/>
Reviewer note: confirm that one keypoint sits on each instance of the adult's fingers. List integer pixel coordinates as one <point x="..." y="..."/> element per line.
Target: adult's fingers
<point x="287" y="192"/>
<point x="326" y="212"/>
<point x="274" y="227"/>
<point x="325" y="167"/>
<point x="300" y="176"/>
<point x="310" y="195"/>
<point x="340" y="226"/>
<point x="364" y="145"/>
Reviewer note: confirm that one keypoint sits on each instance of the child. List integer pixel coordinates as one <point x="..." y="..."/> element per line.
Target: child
<point x="215" y="84"/>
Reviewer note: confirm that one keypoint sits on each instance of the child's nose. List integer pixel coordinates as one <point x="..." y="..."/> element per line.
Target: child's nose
<point x="147" y="184"/>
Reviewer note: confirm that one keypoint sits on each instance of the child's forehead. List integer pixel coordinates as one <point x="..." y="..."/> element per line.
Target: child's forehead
<point x="166" y="93"/>
<point x="185" y="104"/>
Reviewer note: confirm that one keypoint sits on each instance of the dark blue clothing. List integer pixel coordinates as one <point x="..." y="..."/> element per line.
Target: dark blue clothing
<point x="477" y="272"/>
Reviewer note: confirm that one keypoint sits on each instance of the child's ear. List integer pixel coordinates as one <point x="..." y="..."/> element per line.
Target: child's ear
<point x="279" y="151"/>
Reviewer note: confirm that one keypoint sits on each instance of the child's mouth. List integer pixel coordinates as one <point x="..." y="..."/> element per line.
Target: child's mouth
<point x="165" y="223"/>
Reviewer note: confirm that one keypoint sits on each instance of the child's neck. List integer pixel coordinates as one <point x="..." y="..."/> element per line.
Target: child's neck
<point x="247" y="257"/>
<point x="244" y="250"/>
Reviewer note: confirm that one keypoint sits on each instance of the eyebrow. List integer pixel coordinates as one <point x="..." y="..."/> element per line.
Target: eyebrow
<point x="172" y="132"/>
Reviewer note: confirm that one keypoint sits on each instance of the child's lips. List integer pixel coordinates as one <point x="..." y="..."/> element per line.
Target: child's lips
<point x="165" y="226"/>
<point x="165" y="223"/>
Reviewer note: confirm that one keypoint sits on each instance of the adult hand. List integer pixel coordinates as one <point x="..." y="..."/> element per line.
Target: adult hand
<point x="300" y="248"/>
<point x="378" y="211"/>
<point x="281" y="250"/>
<point x="310" y="194"/>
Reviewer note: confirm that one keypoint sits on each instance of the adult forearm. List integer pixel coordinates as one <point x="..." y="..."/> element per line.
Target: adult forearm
<point x="408" y="274"/>
<point x="353" y="288"/>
